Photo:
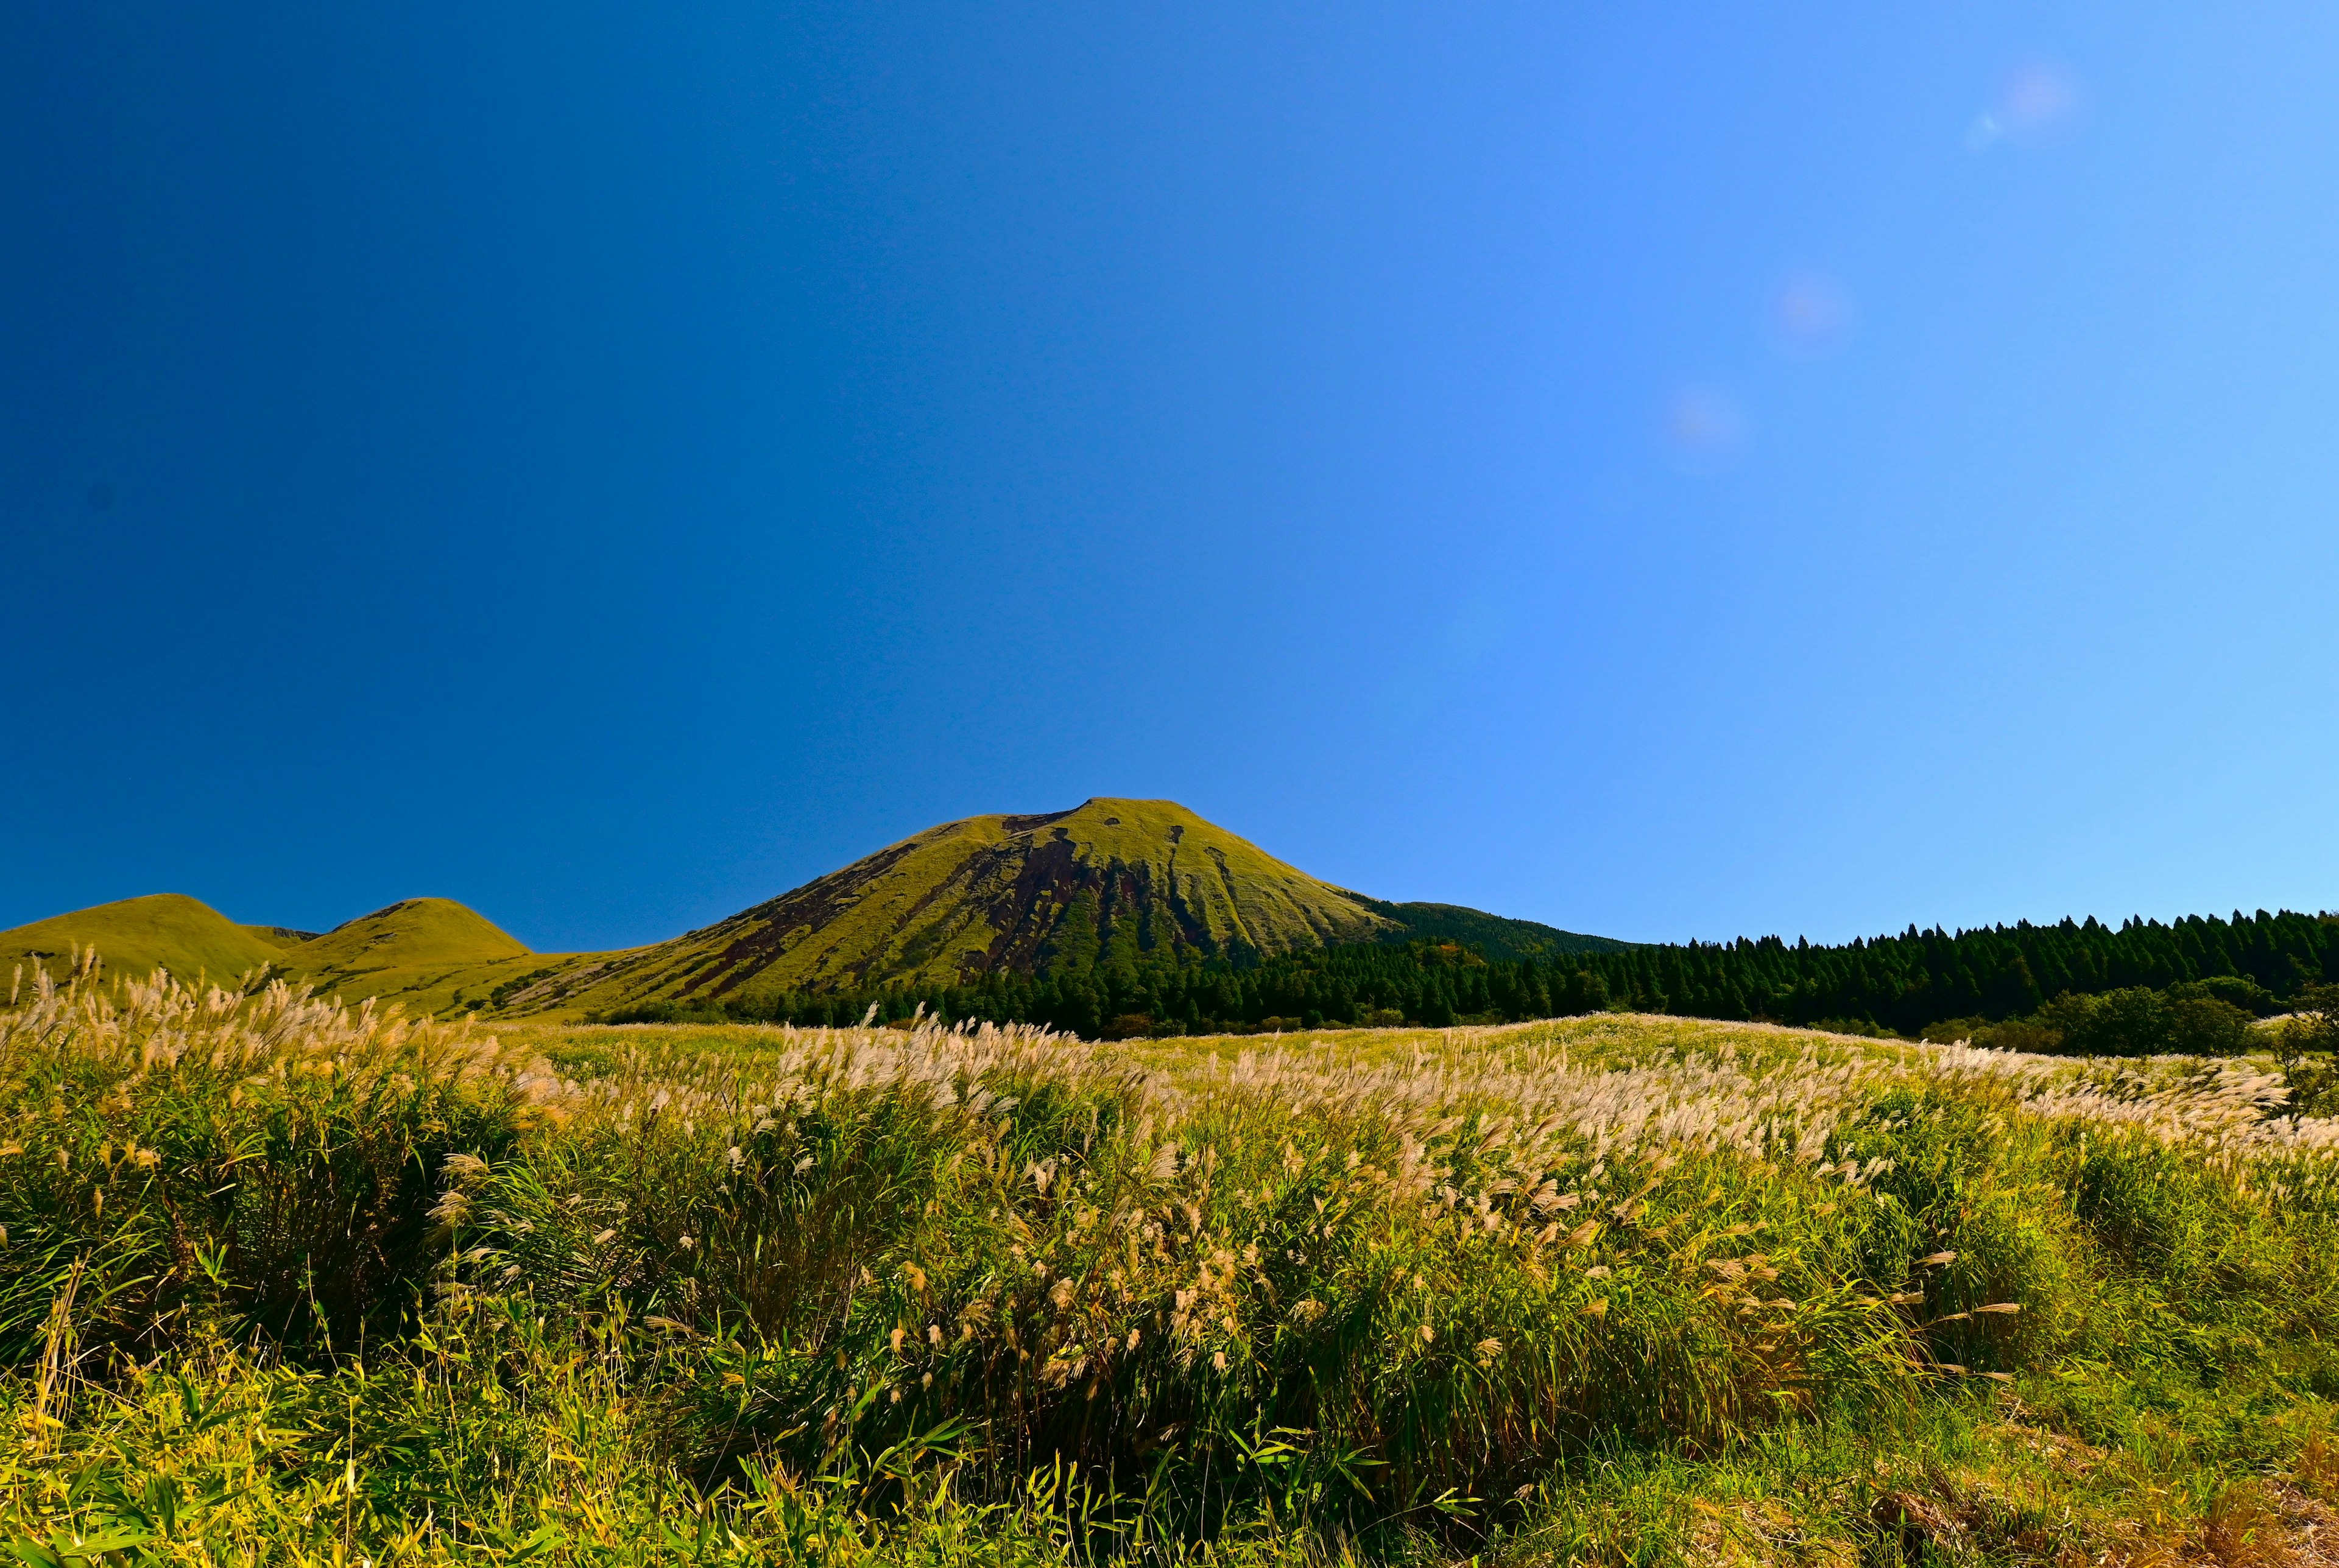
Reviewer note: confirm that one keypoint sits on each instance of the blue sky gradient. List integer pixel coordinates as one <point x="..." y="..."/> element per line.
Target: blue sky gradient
<point x="1669" y="471"/>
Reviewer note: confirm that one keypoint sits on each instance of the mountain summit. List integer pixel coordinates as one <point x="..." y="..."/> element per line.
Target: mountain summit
<point x="1103" y="882"/>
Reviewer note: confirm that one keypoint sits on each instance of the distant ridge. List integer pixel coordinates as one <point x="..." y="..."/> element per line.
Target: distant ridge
<point x="1494" y="935"/>
<point x="282" y="936"/>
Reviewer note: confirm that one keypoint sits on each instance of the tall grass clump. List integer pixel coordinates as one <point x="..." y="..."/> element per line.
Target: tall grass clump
<point x="283" y="1278"/>
<point x="260" y="1164"/>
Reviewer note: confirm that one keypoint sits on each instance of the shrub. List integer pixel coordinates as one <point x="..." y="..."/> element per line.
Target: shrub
<point x="2022" y="1034"/>
<point x="1865" y="1027"/>
<point x="2314" y="1021"/>
<point x="2307" y="1044"/>
<point x="2235" y="991"/>
<point x="2130" y="1022"/>
<point x="2207" y="1026"/>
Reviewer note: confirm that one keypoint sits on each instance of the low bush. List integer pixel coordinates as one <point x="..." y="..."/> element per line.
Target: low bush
<point x="2193" y="1019"/>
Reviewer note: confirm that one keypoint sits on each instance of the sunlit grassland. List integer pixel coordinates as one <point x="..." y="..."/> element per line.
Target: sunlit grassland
<point x="285" y="1282"/>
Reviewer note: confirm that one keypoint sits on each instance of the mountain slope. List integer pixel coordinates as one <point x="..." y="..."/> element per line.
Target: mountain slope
<point x="133" y="936"/>
<point x="1107" y="881"/>
<point x="1494" y="935"/>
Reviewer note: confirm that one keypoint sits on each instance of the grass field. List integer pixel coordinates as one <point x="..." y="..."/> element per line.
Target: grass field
<point x="284" y="1282"/>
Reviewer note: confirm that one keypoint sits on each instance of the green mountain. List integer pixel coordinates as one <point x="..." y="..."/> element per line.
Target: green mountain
<point x="136" y="936"/>
<point x="1101" y="883"/>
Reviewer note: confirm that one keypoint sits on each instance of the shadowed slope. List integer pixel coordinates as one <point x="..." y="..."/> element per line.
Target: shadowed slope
<point x="1103" y="882"/>
<point x="135" y="935"/>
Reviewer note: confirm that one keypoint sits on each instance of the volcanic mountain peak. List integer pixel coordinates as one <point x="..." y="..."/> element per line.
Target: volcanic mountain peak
<point x="1102" y="883"/>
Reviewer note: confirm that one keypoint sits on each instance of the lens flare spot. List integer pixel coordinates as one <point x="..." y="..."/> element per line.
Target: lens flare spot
<point x="2037" y="103"/>
<point x="1811" y="313"/>
<point x="1706" y="423"/>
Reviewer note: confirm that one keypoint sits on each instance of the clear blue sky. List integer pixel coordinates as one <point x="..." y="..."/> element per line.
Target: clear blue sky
<point x="1667" y="471"/>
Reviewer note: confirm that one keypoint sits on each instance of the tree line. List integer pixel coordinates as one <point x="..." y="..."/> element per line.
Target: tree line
<point x="1911" y="984"/>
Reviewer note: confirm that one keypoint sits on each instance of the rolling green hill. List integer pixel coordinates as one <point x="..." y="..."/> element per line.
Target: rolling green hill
<point x="136" y="936"/>
<point x="432" y="954"/>
<point x="411" y="932"/>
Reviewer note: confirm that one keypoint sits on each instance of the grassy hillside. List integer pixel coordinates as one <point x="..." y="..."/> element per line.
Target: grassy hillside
<point x="453" y="989"/>
<point x="289" y="1286"/>
<point x="136" y="935"/>
<point x="1109" y="880"/>
<point x="412" y="933"/>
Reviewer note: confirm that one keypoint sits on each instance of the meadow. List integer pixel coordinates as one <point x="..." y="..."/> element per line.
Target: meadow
<point x="283" y="1281"/>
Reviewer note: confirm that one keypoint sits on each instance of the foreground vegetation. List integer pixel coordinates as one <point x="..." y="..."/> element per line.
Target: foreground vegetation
<point x="281" y="1282"/>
